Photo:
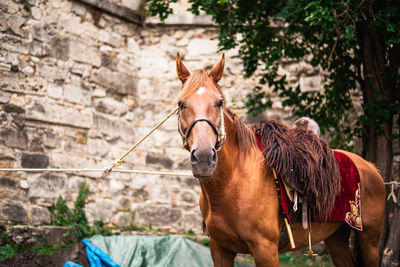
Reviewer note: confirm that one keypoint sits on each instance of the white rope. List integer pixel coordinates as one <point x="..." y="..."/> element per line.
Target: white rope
<point x="392" y="194"/>
<point x="393" y="182"/>
<point x="96" y="170"/>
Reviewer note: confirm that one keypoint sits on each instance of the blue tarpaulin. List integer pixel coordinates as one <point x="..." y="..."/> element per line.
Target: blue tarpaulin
<point x="132" y="251"/>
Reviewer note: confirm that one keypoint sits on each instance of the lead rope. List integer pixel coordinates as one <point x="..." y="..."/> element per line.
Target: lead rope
<point x="118" y="162"/>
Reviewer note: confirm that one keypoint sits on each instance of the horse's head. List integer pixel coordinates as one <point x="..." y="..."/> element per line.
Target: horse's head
<point x="201" y="121"/>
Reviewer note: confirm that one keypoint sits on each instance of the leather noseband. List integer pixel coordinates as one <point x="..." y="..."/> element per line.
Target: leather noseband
<point x="221" y="135"/>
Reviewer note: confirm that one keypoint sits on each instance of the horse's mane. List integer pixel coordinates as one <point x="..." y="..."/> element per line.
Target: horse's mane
<point x="245" y="135"/>
<point x="304" y="161"/>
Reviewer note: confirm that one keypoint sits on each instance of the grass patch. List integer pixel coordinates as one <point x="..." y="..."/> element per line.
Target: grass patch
<point x="11" y="249"/>
<point x="287" y="259"/>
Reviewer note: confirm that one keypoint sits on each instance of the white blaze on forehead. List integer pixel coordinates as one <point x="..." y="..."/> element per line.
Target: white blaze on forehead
<point x="200" y="91"/>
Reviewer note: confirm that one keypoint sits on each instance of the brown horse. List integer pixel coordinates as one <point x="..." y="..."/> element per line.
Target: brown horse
<point x="239" y="201"/>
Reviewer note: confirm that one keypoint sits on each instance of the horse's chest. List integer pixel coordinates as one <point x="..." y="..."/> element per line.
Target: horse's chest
<point x="225" y="233"/>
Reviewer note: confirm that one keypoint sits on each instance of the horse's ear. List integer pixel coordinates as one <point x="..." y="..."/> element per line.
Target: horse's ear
<point x="181" y="70"/>
<point x="218" y="70"/>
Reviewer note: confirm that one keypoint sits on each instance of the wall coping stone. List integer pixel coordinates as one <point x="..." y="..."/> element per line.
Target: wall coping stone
<point x="119" y="10"/>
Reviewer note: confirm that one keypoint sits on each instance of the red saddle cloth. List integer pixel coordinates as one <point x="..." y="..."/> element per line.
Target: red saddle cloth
<point x="347" y="206"/>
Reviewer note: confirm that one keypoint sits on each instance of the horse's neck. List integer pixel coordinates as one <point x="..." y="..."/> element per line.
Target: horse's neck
<point x="228" y="161"/>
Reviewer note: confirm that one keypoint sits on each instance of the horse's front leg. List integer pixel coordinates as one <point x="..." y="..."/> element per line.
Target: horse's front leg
<point x="220" y="256"/>
<point x="265" y="254"/>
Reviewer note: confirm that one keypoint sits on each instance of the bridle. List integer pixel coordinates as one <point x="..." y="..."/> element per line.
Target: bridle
<point x="221" y="134"/>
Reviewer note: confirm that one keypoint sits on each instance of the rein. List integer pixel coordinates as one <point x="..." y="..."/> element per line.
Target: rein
<point x="221" y="134"/>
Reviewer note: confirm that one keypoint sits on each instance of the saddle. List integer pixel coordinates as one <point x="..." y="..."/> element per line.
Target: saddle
<point x="304" y="163"/>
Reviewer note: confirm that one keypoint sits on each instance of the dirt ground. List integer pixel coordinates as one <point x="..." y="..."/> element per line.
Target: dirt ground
<point x="77" y="254"/>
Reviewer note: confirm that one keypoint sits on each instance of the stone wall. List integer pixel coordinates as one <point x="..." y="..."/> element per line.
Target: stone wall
<point x="80" y="84"/>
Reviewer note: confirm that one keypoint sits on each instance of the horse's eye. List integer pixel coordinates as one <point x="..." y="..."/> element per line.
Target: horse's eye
<point x="220" y="103"/>
<point x="181" y="105"/>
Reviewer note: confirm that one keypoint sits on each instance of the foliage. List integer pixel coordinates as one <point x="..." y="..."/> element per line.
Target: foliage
<point x="76" y="219"/>
<point x="330" y="35"/>
<point x="206" y="241"/>
<point x="59" y="212"/>
<point x="6" y="252"/>
<point x="191" y="233"/>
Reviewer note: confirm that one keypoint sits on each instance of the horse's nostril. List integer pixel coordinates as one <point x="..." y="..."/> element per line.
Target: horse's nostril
<point x="193" y="158"/>
<point x="214" y="155"/>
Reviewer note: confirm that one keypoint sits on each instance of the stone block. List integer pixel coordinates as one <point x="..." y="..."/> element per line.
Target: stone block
<point x="8" y="183"/>
<point x="161" y="194"/>
<point x="9" y="7"/>
<point x="34" y="160"/>
<point x="28" y="70"/>
<point x="41" y="236"/>
<point x="4" y="97"/>
<point x="123" y="202"/>
<point x="6" y="153"/>
<point x="188" y="197"/>
<point x="82" y="70"/>
<point x="115" y="187"/>
<point x="85" y="54"/>
<point x="162" y="160"/>
<point x="54" y="91"/>
<point x="14" y="44"/>
<point x="40" y="215"/>
<point x="50" y="139"/>
<point x="110" y="106"/>
<point x="14" y="212"/>
<point x="101" y="209"/>
<point x="182" y="19"/>
<point x="47" y="185"/>
<point x="125" y="29"/>
<point x="39" y="49"/>
<point x="74" y="93"/>
<point x="74" y="184"/>
<point x="97" y="147"/>
<point x="14" y="138"/>
<point x="193" y="221"/>
<point x="312" y="83"/>
<point x="159" y="215"/>
<point x="60" y="47"/>
<point x="14" y="23"/>
<point x="11" y="108"/>
<point x="122" y="219"/>
<point x="36" y="13"/>
<point x="140" y="195"/>
<point x="65" y="160"/>
<point x="24" y="184"/>
<point x="115" y="81"/>
<point x="114" y="127"/>
<point x="53" y="73"/>
<point x="109" y="60"/>
<point x="50" y="112"/>
<point x="198" y="47"/>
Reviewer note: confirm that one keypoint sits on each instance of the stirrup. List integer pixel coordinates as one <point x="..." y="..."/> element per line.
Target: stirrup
<point x="309" y="253"/>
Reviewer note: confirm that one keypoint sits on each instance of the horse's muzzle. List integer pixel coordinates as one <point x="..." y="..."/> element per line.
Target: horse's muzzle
<point x="203" y="162"/>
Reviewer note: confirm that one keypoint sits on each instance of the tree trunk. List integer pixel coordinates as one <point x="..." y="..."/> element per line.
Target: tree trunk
<point x="391" y="253"/>
<point x="378" y="90"/>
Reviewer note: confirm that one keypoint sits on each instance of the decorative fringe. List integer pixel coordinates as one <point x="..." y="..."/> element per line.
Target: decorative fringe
<point x="304" y="161"/>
